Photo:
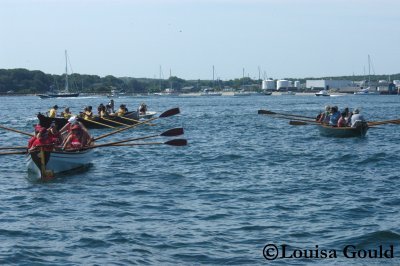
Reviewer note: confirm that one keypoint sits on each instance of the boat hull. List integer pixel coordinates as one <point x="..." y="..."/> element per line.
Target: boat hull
<point x="147" y="115"/>
<point x="96" y="123"/>
<point x="343" y="132"/>
<point x="57" y="162"/>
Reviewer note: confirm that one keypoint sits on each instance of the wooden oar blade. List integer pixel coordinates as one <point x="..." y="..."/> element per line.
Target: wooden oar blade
<point x="298" y="123"/>
<point x="170" y="112"/>
<point x="176" y="142"/>
<point x="265" y="112"/>
<point x="173" y="132"/>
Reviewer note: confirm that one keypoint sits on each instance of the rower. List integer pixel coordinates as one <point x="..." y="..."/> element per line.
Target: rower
<point x="74" y="140"/>
<point x="53" y="111"/>
<point x="66" y="114"/>
<point x="122" y="110"/>
<point x="38" y="128"/>
<point x="111" y="104"/>
<point x="54" y="134"/>
<point x="88" y="114"/>
<point x="357" y="118"/>
<point x="42" y="140"/>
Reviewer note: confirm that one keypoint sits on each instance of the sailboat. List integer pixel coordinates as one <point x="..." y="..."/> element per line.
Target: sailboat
<point x="64" y="93"/>
<point x="367" y="90"/>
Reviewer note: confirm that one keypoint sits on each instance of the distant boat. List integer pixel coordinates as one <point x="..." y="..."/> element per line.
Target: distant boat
<point x="322" y="93"/>
<point x="267" y="93"/>
<point x="366" y="91"/>
<point x="241" y="93"/>
<point x="115" y="94"/>
<point x="65" y="93"/>
<point x="288" y="93"/>
<point x="208" y="92"/>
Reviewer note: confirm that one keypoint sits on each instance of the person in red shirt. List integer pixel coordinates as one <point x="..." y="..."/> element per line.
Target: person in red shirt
<point x="74" y="141"/>
<point x="54" y="134"/>
<point x="42" y="140"/>
<point x="35" y="134"/>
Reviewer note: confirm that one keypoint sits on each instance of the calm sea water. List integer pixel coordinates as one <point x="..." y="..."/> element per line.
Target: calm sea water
<point x="244" y="181"/>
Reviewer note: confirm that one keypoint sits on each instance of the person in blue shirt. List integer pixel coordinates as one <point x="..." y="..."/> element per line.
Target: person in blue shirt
<point x="335" y="115"/>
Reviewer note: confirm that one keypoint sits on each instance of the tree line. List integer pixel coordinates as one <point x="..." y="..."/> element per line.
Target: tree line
<point x="23" y="81"/>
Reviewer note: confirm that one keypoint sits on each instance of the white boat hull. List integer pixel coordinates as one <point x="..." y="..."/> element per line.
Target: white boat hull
<point x="58" y="162"/>
<point x="147" y="115"/>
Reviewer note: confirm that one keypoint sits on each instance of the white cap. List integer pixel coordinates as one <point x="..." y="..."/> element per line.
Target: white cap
<point x="72" y="119"/>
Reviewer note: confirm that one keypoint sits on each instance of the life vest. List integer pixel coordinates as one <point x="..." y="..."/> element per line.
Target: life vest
<point x="75" y="142"/>
<point x="43" y="142"/>
<point x="88" y="115"/>
<point x="52" y="113"/>
<point x="67" y="115"/>
<point x="121" y="112"/>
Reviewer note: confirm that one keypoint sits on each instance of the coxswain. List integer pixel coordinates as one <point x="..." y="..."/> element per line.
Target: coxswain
<point x="66" y="114"/>
<point x="53" y="111"/>
<point x="42" y="140"/>
<point x="111" y="104"/>
<point x="142" y="109"/>
<point x="122" y="110"/>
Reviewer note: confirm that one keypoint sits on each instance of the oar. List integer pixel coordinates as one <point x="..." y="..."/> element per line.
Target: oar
<point x="302" y="123"/>
<point x="16" y="130"/>
<point x="14" y="148"/>
<point x="374" y="123"/>
<point x="13" y="153"/>
<point x="267" y="112"/>
<point x="174" y="142"/>
<point x="169" y="133"/>
<point x="112" y="121"/>
<point x="167" y="113"/>
<point x="95" y="122"/>
<point x="134" y="120"/>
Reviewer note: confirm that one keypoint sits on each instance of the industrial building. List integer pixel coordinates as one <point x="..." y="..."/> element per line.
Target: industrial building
<point x="321" y="84"/>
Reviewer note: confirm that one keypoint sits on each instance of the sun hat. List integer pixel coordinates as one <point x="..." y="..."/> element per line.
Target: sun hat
<point x="72" y="120"/>
<point x="356" y="111"/>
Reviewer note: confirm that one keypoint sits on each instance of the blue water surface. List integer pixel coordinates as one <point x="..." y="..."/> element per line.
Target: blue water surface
<point x="244" y="181"/>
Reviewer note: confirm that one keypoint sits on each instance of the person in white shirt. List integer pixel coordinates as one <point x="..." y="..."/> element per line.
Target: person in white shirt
<point x="356" y="118"/>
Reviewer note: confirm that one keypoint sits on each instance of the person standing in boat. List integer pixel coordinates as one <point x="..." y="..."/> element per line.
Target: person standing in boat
<point x="53" y="111"/>
<point x="357" y="118"/>
<point x="334" y="116"/>
<point x="111" y="104"/>
<point x="142" y="109"/>
<point x="66" y="114"/>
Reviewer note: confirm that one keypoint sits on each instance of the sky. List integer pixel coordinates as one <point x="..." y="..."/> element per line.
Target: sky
<point x="186" y="38"/>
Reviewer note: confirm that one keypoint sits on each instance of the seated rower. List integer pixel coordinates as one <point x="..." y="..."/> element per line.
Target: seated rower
<point x="53" y="111"/>
<point x="357" y="118"/>
<point x="71" y="122"/>
<point x="324" y="117"/>
<point x="54" y="134"/>
<point x="109" y="109"/>
<point x="42" y="140"/>
<point x="334" y="116"/>
<point x="122" y="110"/>
<point x="88" y="114"/>
<point x="66" y="114"/>
<point x="342" y="122"/>
<point x="38" y="128"/>
<point x="103" y="112"/>
<point x="74" y="140"/>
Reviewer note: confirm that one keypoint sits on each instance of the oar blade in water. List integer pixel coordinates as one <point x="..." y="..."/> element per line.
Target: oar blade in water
<point x="172" y="132"/>
<point x="176" y="142"/>
<point x="170" y="112"/>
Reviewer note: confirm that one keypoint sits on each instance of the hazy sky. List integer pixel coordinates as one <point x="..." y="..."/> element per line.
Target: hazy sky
<point x="284" y="38"/>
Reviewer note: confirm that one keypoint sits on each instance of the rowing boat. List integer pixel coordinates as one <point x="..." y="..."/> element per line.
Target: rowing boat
<point x="343" y="132"/>
<point x="57" y="161"/>
<point x="96" y="122"/>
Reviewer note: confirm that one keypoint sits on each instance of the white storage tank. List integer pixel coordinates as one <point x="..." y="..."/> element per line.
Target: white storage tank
<point x="282" y="84"/>
<point x="268" y="84"/>
<point x="297" y="84"/>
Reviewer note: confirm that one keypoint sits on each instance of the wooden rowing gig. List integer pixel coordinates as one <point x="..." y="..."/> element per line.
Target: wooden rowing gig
<point x="343" y="132"/>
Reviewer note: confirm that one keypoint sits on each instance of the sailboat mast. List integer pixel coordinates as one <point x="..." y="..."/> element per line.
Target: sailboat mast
<point x="369" y="71"/>
<point x="66" y="72"/>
